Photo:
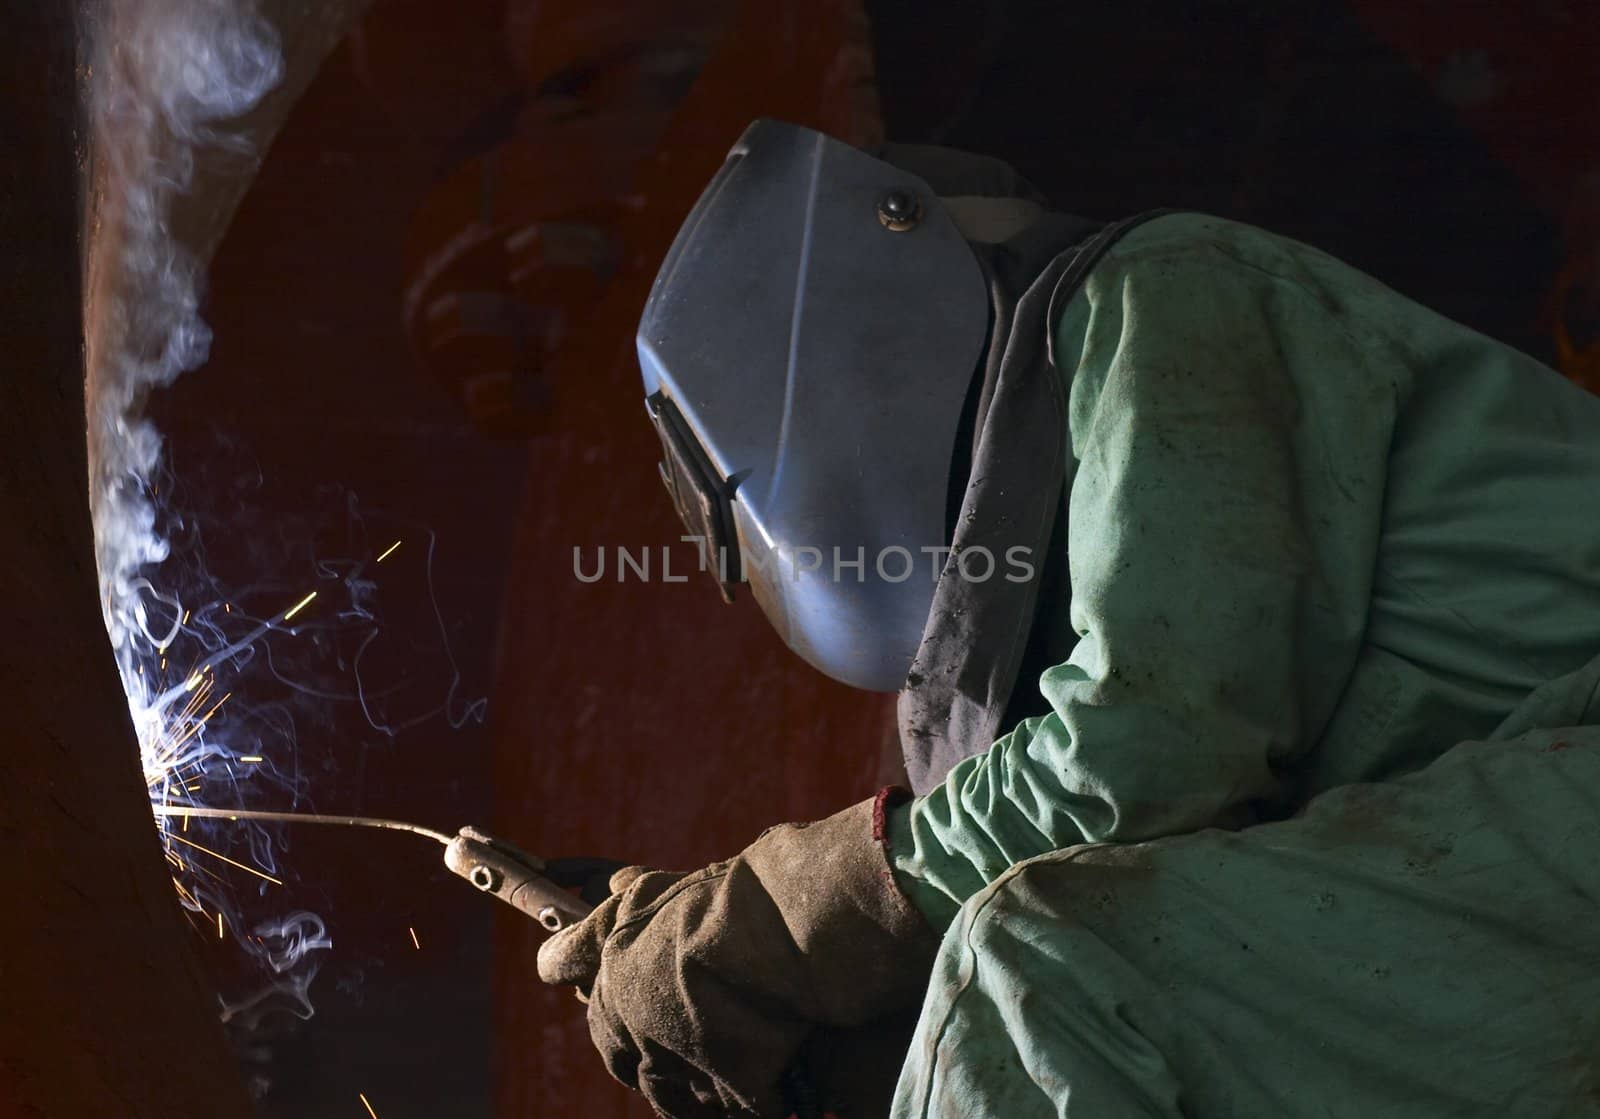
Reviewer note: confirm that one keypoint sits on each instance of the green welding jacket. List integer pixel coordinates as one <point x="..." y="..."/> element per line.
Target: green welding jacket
<point x="1315" y="534"/>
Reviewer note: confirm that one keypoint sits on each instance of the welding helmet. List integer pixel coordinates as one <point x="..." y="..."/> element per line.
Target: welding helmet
<point x="807" y="351"/>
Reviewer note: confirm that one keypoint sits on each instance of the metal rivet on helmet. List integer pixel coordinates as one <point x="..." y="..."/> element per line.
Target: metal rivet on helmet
<point x="899" y="210"/>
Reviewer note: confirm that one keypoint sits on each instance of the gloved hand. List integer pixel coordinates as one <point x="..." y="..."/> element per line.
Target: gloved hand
<point x="703" y="988"/>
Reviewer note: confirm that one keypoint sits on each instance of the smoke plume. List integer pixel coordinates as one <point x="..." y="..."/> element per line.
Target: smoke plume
<point x="165" y="79"/>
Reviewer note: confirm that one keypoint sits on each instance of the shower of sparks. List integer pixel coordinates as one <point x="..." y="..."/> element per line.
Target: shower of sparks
<point x="414" y="939"/>
<point x="177" y="756"/>
<point x="363" y="1098"/>
<point x="172" y="720"/>
<point x="224" y="858"/>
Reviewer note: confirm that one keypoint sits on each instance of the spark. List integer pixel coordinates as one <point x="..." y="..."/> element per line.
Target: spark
<point x="219" y="924"/>
<point x="414" y="939"/>
<point x="250" y="758"/>
<point x="299" y="606"/>
<point x="363" y="1098"/>
<point x="195" y="727"/>
<point x="224" y="858"/>
<point x="192" y="705"/>
<point x="389" y="551"/>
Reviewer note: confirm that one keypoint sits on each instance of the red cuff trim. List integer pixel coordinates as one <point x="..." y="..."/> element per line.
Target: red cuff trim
<point x="890" y="796"/>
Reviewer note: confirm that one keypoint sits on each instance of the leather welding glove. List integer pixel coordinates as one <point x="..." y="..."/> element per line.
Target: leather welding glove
<point x="704" y="988"/>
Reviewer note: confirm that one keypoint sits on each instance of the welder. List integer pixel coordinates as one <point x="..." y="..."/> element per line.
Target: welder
<point x="1249" y="669"/>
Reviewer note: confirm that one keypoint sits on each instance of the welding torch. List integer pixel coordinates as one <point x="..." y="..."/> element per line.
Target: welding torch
<point x="542" y="889"/>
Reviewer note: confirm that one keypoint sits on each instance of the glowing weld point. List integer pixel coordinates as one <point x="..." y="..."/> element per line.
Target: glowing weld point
<point x="362" y="1097"/>
<point x="389" y="551"/>
<point x="299" y="606"/>
<point x="414" y="939"/>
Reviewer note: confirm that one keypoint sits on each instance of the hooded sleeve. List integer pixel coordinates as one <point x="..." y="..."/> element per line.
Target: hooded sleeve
<point x="1231" y="436"/>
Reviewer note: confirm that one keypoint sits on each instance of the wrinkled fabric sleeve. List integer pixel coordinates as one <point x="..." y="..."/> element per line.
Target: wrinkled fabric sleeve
<point x="1230" y="440"/>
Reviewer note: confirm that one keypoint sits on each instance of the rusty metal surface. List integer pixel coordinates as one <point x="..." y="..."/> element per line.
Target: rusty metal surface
<point x="308" y="31"/>
<point x="510" y="253"/>
<point x="106" y="1013"/>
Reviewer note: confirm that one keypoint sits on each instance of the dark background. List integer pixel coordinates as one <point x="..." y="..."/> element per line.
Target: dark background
<point x="1442" y="148"/>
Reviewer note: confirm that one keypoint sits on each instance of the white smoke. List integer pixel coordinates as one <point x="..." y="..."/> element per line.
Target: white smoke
<point x="285" y="944"/>
<point x="165" y="79"/>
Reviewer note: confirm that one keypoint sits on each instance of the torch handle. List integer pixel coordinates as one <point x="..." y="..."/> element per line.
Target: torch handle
<point x="515" y="877"/>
